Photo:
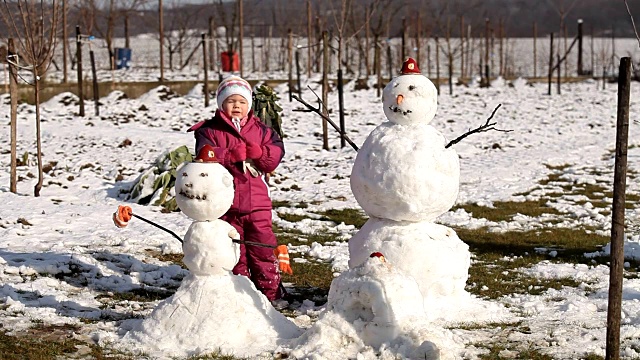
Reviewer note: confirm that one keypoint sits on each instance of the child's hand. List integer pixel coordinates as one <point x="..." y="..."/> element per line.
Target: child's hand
<point x="238" y="153"/>
<point x="254" y="151"/>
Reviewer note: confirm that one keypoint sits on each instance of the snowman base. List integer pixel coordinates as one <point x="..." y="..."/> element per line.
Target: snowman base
<point x="432" y="254"/>
<point x="375" y="311"/>
<point x="217" y="313"/>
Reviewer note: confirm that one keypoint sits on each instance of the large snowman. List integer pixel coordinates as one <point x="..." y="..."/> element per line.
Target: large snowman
<point x="212" y="310"/>
<point x="404" y="177"/>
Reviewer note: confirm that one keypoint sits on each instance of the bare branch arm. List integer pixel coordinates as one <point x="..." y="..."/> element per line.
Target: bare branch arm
<point x="482" y="128"/>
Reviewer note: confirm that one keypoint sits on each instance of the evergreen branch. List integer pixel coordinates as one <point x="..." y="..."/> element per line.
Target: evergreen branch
<point x="482" y="128"/>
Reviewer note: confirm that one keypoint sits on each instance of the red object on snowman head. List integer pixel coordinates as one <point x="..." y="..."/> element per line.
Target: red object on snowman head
<point x="410" y="67"/>
<point x="207" y="154"/>
<point x="378" y="255"/>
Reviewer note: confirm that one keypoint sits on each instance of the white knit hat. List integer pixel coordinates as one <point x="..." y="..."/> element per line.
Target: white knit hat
<point x="233" y="85"/>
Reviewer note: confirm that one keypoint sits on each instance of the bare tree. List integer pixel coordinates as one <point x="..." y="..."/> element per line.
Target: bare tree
<point x="100" y="16"/>
<point x="35" y="26"/>
<point x="178" y="32"/>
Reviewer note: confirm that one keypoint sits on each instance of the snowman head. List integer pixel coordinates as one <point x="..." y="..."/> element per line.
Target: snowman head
<point x="204" y="190"/>
<point x="410" y="98"/>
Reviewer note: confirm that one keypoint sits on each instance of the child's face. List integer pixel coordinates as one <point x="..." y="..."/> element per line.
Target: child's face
<point x="236" y="106"/>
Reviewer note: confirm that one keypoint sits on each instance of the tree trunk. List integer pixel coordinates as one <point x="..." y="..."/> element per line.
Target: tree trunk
<point x="13" y="90"/>
<point x="38" y="187"/>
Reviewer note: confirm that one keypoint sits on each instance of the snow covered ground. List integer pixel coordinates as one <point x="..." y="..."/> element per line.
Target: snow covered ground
<point x="60" y="253"/>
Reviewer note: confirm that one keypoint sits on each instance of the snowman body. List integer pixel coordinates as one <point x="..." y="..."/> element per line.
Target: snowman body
<point x="212" y="310"/>
<point x="404" y="173"/>
<point x="404" y="178"/>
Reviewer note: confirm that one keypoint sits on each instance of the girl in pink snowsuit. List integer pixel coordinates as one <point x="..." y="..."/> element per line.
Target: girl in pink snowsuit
<point x="248" y="149"/>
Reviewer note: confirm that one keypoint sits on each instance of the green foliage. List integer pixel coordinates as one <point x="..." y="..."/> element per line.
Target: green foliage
<point x="155" y="185"/>
<point x="266" y="107"/>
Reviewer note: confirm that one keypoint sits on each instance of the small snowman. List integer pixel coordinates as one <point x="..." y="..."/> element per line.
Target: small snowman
<point x="212" y="310"/>
<point x="404" y="177"/>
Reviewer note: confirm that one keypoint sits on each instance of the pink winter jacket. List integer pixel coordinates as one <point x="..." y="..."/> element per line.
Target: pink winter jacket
<point x="251" y="193"/>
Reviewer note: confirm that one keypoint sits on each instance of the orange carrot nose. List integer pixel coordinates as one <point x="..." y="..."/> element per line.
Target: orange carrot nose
<point x="399" y="99"/>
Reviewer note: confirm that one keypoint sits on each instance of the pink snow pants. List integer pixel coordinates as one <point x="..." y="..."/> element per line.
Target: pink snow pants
<point x="256" y="262"/>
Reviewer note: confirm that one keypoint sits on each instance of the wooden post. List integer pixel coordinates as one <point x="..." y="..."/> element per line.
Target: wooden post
<point x="212" y="54"/>
<point x="501" y="47"/>
<point x="240" y="37"/>
<point x="268" y="50"/>
<point x="341" y="108"/>
<point x="65" y="44"/>
<point x="559" y="72"/>
<point x="161" y="33"/>
<point x="470" y="49"/>
<point x="428" y="60"/>
<point x="13" y="91"/>
<point x="376" y="55"/>
<point x="418" y="30"/>
<point x="325" y="87"/>
<point x="205" y="65"/>
<point x="290" y="62"/>
<point x="580" y="70"/>
<point x="96" y="95"/>
<point x="319" y="49"/>
<point x="486" y="51"/>
<point x="127" y="38"/>
<point x="550" y="62"/>
<point x="535" y="50"/>
<point x="593" y="63"/>
<point x="404" y="40"/>
<point x="309" y="35"/>
<point x="367" y="15"/>
<point x="461" y="47"/>
<point x="566" y="63"/>
<point x="437" y="66"/>
<point x="299" y="86"/>
<point x="617" y="213"/>
<point x="79" y="71"/>
<point x="253" y="54"/>
<point x="389" y="60"/>
<point x="5" y="72"/>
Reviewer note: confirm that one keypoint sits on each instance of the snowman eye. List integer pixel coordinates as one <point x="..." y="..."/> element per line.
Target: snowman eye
<point x="204" y="174"/>
<point x="411" y="87"/>
<point x="184" y="174"/>
<point x="395" y="85"/>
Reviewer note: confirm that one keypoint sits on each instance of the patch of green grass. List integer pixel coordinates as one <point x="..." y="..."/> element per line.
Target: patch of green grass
<point x="490" y="325"/>
<point x="311" y="280"/>
<point x="493" y="277"/>
<point x="353" y="217"/>
<point x="40" y="342"/>
<point x="570" y="243"/>
<point x="506" y="210"/>
<point x="297" y="237"/>
<point x="277" y="203"/>
<point x="171" y="258"/>
<point x="495" y="350"/>
<point x="215" y="356"/>
<point x="498" y="256"/>
<point x="292" y="217"/>
<point x="138" y="295"/>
